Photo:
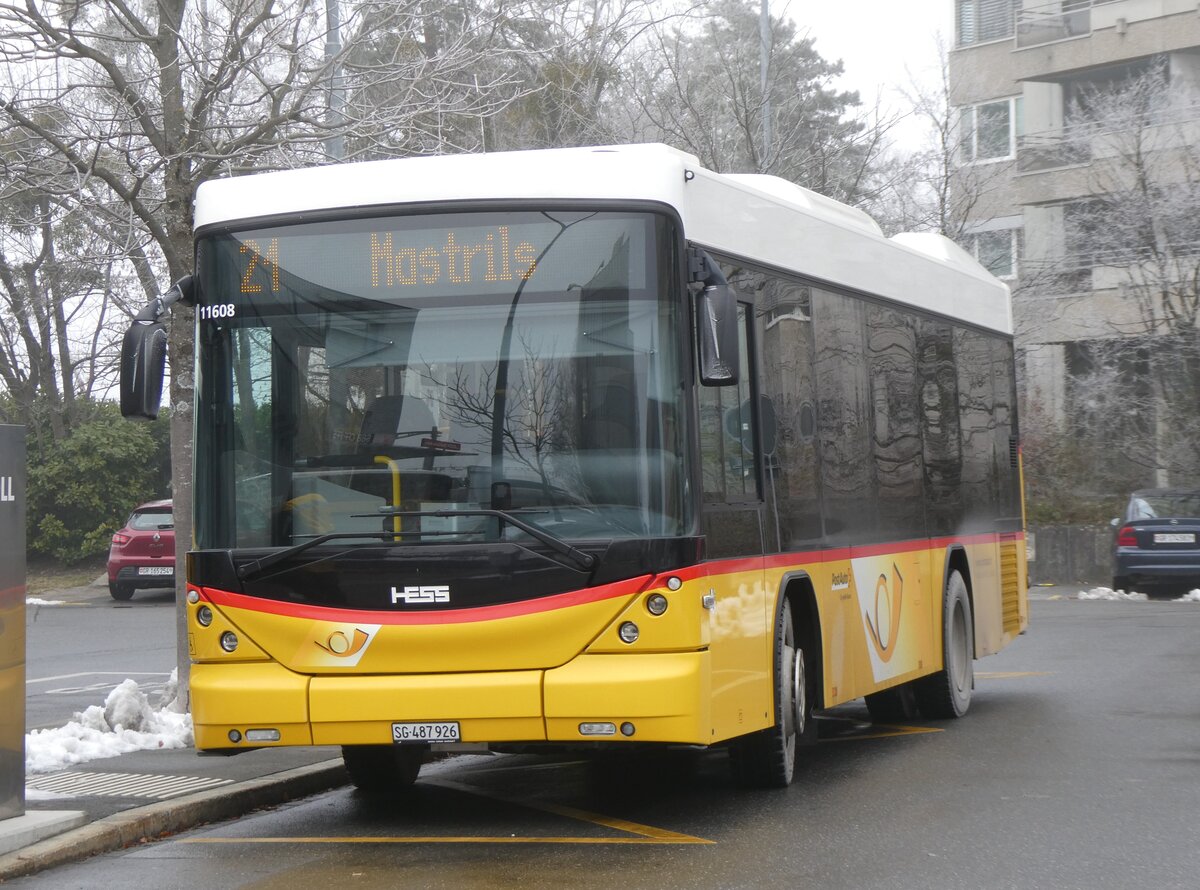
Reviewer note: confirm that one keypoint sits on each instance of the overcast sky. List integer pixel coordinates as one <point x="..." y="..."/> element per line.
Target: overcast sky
<point x="877" y="40"/>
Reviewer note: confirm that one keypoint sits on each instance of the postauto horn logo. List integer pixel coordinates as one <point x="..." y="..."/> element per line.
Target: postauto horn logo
<point x="892" y="634"/>
<point x="883" y="621"/>
<point x="343" y="646"/>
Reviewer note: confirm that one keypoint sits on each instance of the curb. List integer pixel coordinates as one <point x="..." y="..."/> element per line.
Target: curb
<point x="157" y="820"/>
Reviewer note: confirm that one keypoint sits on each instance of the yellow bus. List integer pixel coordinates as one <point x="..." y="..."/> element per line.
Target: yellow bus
<point x="585" y="447"/>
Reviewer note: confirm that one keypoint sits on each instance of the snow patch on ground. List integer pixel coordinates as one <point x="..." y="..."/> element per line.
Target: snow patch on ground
<point x="37" y="601"/>
<point x="1105" y="593"/>
<point x="126" y="722"/>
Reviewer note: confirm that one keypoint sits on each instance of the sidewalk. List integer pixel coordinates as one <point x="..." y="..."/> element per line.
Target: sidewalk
<point x="109" y="804"/>
<point x="115" y="802"/>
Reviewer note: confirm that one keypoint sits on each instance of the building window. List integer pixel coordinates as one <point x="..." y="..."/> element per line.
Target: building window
<point x="998" y="251"/>
<point x="989" y="131"/>
<point x="980" y="21"/>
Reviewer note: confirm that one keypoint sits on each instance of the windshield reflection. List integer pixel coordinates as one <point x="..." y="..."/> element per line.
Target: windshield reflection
<point x="559" y="408"/>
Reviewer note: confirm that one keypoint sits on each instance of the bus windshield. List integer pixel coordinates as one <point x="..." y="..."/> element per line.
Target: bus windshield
<point x="363" y="375"/>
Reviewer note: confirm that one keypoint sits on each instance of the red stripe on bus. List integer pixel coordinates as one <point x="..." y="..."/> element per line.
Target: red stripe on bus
<point x="797" y="559"/>
<point x="450" y="616"/>
<point x="802" y="558"/>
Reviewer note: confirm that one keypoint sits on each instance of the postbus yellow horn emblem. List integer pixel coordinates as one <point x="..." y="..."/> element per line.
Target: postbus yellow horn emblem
<point x="884" y="628"/>
<point x="342" y="646"/>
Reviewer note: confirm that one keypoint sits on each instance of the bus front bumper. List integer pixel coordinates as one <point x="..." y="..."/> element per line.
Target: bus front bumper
<point x="657" y="697"/>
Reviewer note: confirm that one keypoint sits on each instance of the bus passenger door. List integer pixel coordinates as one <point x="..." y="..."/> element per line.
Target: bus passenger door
<point x="732" y="522"/>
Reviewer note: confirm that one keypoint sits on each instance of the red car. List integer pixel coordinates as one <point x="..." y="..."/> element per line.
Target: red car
<point x="143" y="552"/>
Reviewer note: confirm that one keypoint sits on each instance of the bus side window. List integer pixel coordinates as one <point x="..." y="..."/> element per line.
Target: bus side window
<point x="848" y="484"/>
<point x="727" y="439"/>
<point x="784" y="336"/>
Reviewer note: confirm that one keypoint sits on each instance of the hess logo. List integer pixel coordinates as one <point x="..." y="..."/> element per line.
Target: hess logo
<point x="429" y="593"/>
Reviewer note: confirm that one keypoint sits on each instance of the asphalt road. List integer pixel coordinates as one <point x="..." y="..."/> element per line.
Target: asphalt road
<point x="1075" y="768"/>
<point x="77" y="651"/>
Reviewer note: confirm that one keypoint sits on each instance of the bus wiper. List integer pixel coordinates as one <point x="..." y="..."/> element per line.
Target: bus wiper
<point x="258" y="566"/>
<point x="558" y="545"/>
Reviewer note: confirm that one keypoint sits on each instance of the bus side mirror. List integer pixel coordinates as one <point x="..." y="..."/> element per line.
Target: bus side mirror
<point x="717" y="335"/>
<point x="144" y="353"/>
<point x="143" y="362"/>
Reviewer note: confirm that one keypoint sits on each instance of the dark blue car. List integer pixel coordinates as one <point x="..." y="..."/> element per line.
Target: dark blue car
<point x="1156" y="543"/>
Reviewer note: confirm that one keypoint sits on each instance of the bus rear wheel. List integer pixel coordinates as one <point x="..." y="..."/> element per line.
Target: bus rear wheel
<point x="948" y="692"/>
<point x="380" y="769"/>
<point x="767" y="759"/>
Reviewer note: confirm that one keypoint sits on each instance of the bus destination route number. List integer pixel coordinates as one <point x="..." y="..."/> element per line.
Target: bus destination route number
<point x="458" y="258"/>
<point x="426" y="732"/>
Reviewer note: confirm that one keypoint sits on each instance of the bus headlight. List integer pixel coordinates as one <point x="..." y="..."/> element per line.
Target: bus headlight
<point x="656" y="604"/>
<point x="204" y="616"/>
<point x="629" y="632"/>
<point x="229" y="641"/>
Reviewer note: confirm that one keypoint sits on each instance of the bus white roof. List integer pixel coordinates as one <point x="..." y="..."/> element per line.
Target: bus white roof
<point x="760" y="218"/>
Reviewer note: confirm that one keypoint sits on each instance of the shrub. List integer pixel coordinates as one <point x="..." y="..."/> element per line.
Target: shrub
<point x="82" y="488"/>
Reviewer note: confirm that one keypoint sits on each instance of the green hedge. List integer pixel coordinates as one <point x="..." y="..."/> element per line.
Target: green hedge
<point x="82" y="487"/>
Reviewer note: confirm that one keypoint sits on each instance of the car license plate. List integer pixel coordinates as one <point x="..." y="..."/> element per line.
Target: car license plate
<point x="446" y="731"/>
<point x="156" y="570"/>
<point x="1160" y="538"/>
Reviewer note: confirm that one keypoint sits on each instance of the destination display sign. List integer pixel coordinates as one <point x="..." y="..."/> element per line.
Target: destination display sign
<point x="414" y="258"/>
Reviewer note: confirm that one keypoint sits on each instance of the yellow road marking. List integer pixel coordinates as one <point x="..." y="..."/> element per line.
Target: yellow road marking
<point x="886" y="731"/>
<point x="645" y="834"/>
<point x="440" y="840"/>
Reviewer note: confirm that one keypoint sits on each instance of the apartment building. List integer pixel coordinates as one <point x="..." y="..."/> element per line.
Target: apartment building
<point x="1079" y="128"/>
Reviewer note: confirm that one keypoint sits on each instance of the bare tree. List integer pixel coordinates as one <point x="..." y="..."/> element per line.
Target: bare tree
<point x="1131" y="251"/>
<point x="698" y="85"/>
<point x="932" y="189"/>
<point x="571" y="57"/>
<point x="132" y="104"/>
<point x="57" y="286"/>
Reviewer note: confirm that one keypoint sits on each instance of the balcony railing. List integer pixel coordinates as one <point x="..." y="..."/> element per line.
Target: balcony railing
<point x="1081" y="143"/>
<point x="1050" y="151"/>
<point x="983" y="21"/>
<point x="1053" y="21"/>
<point x="1084" y="271"/>
<point x="1056" y="21"/>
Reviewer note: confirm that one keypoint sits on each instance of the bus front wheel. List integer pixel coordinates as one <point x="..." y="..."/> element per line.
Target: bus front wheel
<point x="767" y="759"/>
<point x="378" y="769"/>
<point x="948" y="692"/>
